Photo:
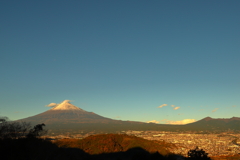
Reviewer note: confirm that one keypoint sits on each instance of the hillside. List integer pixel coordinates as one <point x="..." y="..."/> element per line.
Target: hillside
<point x="215" y="124"/>
<point x="111" y="143"/>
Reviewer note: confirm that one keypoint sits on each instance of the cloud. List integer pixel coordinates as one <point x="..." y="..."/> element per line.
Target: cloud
<point x="51" y="105"/>
<point x="117" y="117"/>
<point x="67" y="101"/>
<point x="153" y="121"/>
<point x="215" y="110"/>
<point x="162" y="105"/>
<point x="17" y="112"/>
<point x="176" y="108"/>
<point x="184" y="121"/>
<point x="234" y="106"/>
<point x="172" y="105"/>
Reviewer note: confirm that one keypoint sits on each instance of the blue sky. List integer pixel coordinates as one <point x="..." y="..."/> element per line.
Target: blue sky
<point x="121" y="59"/>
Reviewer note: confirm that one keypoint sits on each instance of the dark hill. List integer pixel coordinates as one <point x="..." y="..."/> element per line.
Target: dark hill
<point x="107" y="147"/>
<point x="110" y="143"/>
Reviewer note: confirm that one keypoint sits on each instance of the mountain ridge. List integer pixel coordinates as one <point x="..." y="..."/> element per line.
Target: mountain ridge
<point x="222" y="119"/>
<point x="66" y="117"/>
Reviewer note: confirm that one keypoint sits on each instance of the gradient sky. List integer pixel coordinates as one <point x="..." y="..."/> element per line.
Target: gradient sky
<point x="123" y="59"/>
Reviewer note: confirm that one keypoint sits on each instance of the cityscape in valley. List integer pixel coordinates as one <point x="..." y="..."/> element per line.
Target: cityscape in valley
<point x="66" y="121"/>
<point x="223" y="144"/>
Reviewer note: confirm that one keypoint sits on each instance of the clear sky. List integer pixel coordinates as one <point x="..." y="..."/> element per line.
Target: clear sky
<point x="138" y="60"/>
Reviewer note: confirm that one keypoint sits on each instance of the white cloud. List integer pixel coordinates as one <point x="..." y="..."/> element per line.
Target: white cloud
<point x="215" y="110"/>
<point x="184" y="121"/>
<point x="153" y="121"/>
<point x="51" y="105"/>
<point x="176" y="108"/>
<point x="162" y="105"/>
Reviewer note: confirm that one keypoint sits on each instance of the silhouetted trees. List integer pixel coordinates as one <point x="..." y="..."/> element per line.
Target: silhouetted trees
<point x="13" y="130"/>
<point x="37" y="131"/>
<point x="198" y="154"/>
<point x="16" y="130"/>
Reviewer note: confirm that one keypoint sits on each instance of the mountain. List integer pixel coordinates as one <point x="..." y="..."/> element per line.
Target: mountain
<point x="65" y="112"/>
<point x="65" y="117"/>
<point x="221" y="119"/>
<point x="215" y="124"/>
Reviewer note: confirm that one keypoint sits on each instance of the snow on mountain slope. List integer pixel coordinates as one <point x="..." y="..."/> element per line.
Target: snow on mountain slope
<point x="66" y="105"/>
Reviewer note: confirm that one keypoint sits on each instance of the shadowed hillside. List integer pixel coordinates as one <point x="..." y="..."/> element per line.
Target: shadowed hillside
<point x="109" y="143"/>
<point x="39" y="149"/>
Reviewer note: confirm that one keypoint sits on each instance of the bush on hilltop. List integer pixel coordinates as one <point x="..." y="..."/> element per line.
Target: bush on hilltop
<point x="197" y="153"/>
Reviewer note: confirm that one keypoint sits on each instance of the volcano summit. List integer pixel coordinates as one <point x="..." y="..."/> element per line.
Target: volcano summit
<point x="66" y="105"/>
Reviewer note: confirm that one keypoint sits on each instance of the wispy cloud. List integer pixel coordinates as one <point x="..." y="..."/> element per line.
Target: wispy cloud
<point x="17" y="112"/>
<point x="117" y="117"/>
<point x="176" y="108"/>
<point x="234" y="106"/>
<point x="215" y="110"/>
<point x="153" y="121"/>
<point x="162" y="105"/>
<point x="51" y="105"/>
<point x="173" y="106"/>
<point x="184" y="121"/>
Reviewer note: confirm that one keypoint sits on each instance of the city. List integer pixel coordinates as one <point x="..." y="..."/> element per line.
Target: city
<point x="213" y="144"/>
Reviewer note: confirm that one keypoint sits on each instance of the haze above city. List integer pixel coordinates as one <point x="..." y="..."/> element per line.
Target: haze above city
<point x="170" y="62"/>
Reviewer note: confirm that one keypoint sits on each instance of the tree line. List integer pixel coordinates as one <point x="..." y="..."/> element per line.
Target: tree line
<point x="16" y="130"/>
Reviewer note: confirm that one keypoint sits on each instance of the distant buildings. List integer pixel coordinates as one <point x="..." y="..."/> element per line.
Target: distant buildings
<point x="214" y="144"/>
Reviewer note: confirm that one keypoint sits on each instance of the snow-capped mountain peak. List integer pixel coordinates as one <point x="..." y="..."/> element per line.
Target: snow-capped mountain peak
<point x="65" y="105"/>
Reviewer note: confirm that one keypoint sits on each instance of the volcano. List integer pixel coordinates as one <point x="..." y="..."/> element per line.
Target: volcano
<point x="66" y="112"/>
<point x="65" y="117"/>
